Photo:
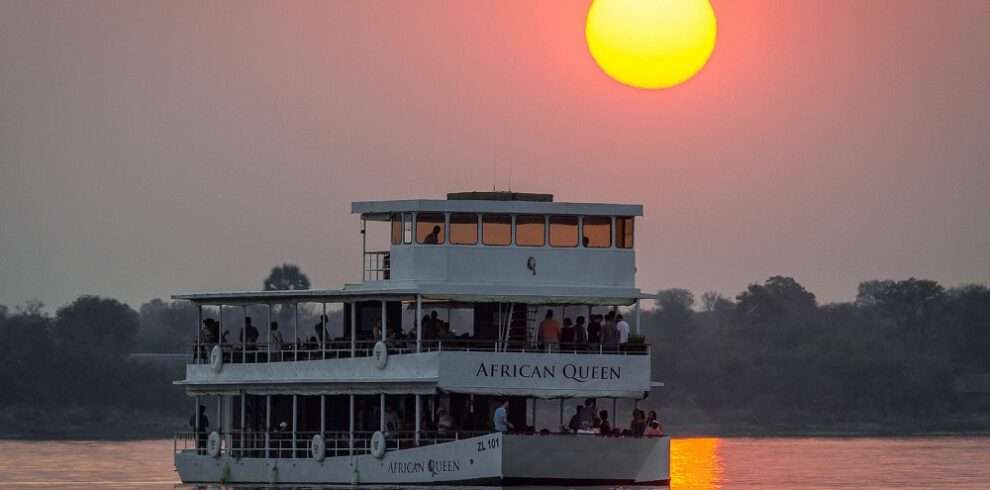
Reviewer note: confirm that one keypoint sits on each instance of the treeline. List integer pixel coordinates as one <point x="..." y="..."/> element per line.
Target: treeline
<point x="773" y="355"/>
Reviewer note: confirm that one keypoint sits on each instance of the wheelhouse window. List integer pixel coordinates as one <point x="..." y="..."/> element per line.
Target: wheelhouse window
<point x="597" y="231"/>
<point x="530" y="230"/>
<point x="429" y="228"/>
<point x="463" y="229"/>
<point x="624" y="232"/>
<point x="563" y="231"/>
<point x="396" y="229"/>
<point x="496" y="229"/>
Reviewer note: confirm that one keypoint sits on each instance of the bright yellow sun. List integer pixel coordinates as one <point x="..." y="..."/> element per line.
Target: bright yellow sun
<point x="651" y="44"/>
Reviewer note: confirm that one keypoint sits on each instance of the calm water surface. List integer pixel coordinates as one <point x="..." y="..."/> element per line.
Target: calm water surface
<point x="697" y="464"/>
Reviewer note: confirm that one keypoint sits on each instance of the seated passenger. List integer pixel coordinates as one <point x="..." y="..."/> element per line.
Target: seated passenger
<point x="445" y="423"/>
<point x="575" y="424"/>
<point x="654" y="429"/>
<point x="549" y="334"/>
<point x="604" y="428"/>
<point x="434" y="237"/>
<point x="638" y="424"/>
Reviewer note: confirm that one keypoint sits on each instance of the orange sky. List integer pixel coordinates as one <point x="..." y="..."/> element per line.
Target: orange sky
<point x="147" y="147"/>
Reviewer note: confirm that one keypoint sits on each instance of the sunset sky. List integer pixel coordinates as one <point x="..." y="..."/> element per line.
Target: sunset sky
<point x="149" y="148"/>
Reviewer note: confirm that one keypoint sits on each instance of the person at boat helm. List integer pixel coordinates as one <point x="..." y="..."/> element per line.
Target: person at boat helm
<point x="550" y="332"/>
<point x="501" y="418"/>
<point x="433" y="238"/>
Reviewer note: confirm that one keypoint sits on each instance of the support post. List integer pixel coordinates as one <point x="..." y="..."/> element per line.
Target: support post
<point x="268" y="342"/>
<point x="353" y="339"/>
<point x="196" y="423"/>
<point x="381" y="412"/>
<point x="295" y="417"/>
<point x="244" y="335"/>
<point x="323" y="414"/>
<point x="198" y="352"/>
<point x="417" y="425"/>
<point x="220" y="327"/>
<point x="351" y="429"/>
<point x="243" y="419"/>
<point x="637" y="316"/>
<point x="533" y="411"/>
<point x="323" y="327"/>
<point x="419" y="337"/>
<point x="268" y="426"/>
<point x="384" y="321"/>
<point x="295" y="332"/>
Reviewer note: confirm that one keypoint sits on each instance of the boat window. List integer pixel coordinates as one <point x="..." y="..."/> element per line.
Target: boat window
<point x="563" y="231"/>
<point x="597" y="231"/>
<point x="396" y="229"/>
<point x="496" y="229"/>
<point x="429" y="228"/>
<point x="463" y="229"/>
<point x="624" y="232"/>
<point x="530" y="230"/>
<point x="407" y="226"/>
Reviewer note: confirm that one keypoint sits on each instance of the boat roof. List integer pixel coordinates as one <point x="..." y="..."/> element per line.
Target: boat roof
<point x="382" y="209"/>
<point x="462" y="293"/>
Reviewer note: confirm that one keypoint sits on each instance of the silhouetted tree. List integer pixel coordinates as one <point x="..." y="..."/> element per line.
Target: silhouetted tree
<point x="100" y="326"/>
<point x="167" y="326"/>
<point x="286" y="277"/>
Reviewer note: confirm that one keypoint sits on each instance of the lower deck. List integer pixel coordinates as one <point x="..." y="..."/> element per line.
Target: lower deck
<point x="492" y="458"/>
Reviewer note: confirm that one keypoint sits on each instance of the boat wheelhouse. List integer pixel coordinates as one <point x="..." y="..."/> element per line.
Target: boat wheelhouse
<point x="396" y="379"/>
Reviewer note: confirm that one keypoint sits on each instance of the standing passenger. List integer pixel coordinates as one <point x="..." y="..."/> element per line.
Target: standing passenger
<point x="623" y="327"/>
<point x="501" y="419"/>
<point x="550" y="332"/>
<point x="580" y="332"/>
<point x="610" y="335"/>
<point x="595" y="330"/>
<point x="204" y="423"/>
<point x="567" y="333"/>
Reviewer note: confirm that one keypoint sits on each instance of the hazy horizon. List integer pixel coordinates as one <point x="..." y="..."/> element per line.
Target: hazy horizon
<point x="152" y="148"/>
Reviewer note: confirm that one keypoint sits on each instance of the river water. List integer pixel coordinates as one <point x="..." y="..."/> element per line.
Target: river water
<point x="696" y="464"/>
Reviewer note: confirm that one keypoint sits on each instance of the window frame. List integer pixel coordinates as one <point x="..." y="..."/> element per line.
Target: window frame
<point x="577" y="230"/>
<point x="515" y="230"/>
<point x="450" y="229"/>
<point x="442" y="224"/>
<point x="408" y="228"/>
<point x="611" y="232"/>
<point x="511" y="226"/>
<point x="620" y="244"/>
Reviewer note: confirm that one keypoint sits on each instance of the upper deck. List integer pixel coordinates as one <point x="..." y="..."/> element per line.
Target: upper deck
<point x="502" y="239"/>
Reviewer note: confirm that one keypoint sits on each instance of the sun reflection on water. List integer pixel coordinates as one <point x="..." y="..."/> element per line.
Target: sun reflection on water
<point x="695" y="464"/>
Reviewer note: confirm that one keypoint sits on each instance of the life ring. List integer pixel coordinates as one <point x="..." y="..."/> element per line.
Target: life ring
<point x="216" y="359"/>
<point x="381" y="354"/>
<point x="318" y="448"/>
<point x="213" y="444"/>
<point x="378" y="445"/>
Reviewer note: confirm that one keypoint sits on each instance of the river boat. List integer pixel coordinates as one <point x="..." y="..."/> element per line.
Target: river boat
<point x="395" y="380"/>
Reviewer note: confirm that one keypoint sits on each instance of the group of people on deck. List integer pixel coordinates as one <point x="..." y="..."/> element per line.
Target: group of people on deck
<point x="588" y="420"/>
<point x="610" y="333"/>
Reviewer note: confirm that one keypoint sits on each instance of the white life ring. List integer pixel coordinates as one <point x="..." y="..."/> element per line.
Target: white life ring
<point x="213" y="444"/>
<point x="378" y="445"/>
<point x="318" y="448"/>
<point x="216" y="359"/>
<point x="381" y="354"/>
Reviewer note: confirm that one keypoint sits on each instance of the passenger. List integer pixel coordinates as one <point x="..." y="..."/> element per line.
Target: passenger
<point x="445" y="423"/>
<point x="638" y="424"/>
<point x="575" y="423"/>
<point x="392" y="424"/>
<point x="610" y="335"/>
<point x="567" y="333"/>
<point x="623" y="328"/>
<point x="434" y="237"/>
<point x="654" y="429"/>
<point x="277" y="343"/>
<point x="595" y="330"/>
<point x="549" y="334"/>
<point x="201" y="429"/>
<point x="210" y="332"/>
<point x="501" y="419"/>
<point x="249" y="335"/>
<point x="580" y="332"/>
<point x="604" y="428"/>
<point x="651" y="417"/>
<point x="588" y="414"/>
<point x="433" y="325"/>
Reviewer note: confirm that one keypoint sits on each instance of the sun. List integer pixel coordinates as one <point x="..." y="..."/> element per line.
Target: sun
<point x="651" y="44"/>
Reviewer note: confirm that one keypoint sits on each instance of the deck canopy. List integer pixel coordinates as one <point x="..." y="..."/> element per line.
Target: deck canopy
<point x="381" y="210"/>
<point x="428" y="292"/>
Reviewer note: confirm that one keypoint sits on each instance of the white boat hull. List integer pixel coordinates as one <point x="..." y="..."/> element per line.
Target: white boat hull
<point x="490" y="459"/>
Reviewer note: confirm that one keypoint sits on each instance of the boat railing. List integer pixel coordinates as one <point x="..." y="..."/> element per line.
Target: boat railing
<point x="342" y="349"/>
<point x="377" y="265"/>
<point x="282" y="444"/>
